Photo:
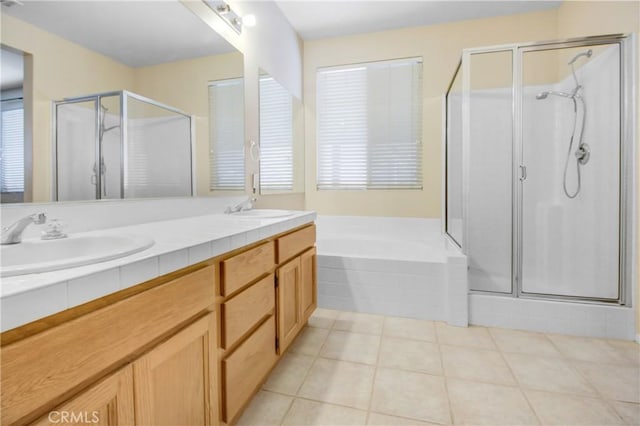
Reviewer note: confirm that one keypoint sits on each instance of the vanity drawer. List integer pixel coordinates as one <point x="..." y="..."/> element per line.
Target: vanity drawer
<point x="247" y="366"/>
<point x="241" y="269"/>
<point x="296" y="242"/>
<point x="246" y="309"/>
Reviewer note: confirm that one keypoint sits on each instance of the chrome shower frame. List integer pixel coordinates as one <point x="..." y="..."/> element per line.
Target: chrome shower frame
<point x="97" y="99"/>
<point x="628" y="202"/>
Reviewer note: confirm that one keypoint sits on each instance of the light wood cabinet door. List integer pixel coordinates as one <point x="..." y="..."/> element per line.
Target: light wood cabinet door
<point x="176" y="382"/>
<point x="289" y="313"/>
<point x="308" y="283"/>
<point x="109" y="402"/>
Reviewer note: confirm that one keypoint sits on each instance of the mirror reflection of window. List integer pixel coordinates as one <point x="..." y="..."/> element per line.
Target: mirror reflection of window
<point x="226" y="135"/>
<point x="12" y="148"/>
<point x="276" y="136"/>
<point x="12" y="127"/>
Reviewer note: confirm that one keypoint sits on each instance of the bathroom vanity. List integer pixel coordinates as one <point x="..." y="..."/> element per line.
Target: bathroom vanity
<point x="191" y="346"/>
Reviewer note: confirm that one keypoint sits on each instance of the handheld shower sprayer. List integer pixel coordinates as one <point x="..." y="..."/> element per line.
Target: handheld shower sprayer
<point x="582" y="152"/>
<point x="544" y="95"/>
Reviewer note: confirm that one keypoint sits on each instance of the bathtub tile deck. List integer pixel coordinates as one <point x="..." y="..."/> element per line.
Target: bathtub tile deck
<point x="427" y="373"/>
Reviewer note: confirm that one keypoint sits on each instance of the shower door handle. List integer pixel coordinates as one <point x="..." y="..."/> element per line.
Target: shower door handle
<point x="523" y="173"/>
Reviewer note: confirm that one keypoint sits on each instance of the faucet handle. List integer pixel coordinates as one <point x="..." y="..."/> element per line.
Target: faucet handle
<point x="39" y="218"/>
<point x="54" y="230"/>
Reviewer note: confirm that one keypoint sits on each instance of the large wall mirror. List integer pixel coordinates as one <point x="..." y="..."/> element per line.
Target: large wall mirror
<point x="281" y="147"/>
<point x="115" y="100"/>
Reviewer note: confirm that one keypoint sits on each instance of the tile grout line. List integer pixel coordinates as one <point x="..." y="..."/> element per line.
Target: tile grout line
<point x="444" y="376"/>
<point x="570" y="363"/>
<point x="313" y="362"/>
<point x="375" y="371"/>
<point x="515" y="377"/>
<point x="600" y="396"/>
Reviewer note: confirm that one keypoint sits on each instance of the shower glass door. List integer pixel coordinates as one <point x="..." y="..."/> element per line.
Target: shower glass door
<point x="488" y="156"/>
<point x="570" y="175"/>
<point x="110" y="142"/>
<point x="76" y="154"/>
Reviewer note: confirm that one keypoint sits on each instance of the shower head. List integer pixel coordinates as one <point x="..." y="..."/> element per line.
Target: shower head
<point x="542" y="95"/>
<point x="588" y="54"/>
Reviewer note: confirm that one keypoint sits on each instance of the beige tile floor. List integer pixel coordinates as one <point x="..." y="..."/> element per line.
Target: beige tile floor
<point x="358" y="369"/>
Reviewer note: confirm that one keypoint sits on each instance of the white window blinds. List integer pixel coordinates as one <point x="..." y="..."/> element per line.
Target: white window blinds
<point x="276" y="136"/>
<point x="226" y="135"/>
<point x="369" y="133"/>
<point x="12" y="147"/>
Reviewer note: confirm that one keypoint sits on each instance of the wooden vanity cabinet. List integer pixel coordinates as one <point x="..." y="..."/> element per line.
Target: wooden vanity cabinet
<point x="297" y="296"/>
<point x="296" y="285"/>
<point x="308" y="282"/>
<point x="289" y="296"/>
<point x="175" y="382"/>
<point x="247" y="325"/>
<point x="152" y="344"/>
<point x="107" y="403"/>
<point x="263" y="307"/>
<point x="188" y="348"/>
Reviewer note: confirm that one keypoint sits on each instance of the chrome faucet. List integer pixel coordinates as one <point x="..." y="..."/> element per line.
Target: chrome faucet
<point x="244" y="205"/>
<point x="12" y="234"/>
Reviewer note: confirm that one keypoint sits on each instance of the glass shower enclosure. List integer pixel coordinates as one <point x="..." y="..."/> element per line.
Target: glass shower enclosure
<point x="539" y="168"/>
<point x="121" y="145"/>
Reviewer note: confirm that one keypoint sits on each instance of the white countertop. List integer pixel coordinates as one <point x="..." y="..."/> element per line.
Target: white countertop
<point x="178" y="243"/>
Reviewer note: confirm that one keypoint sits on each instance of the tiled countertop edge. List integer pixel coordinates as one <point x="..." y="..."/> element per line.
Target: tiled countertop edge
<point x="36" y="296"/>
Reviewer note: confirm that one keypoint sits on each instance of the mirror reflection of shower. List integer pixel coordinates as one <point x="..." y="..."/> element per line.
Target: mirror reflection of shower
<point x="121" y="145"/>
<point x="582" y="152"/>
<point x="103" y="167"/>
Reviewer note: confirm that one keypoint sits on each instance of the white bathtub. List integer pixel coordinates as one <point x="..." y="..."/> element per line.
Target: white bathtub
<point x="390" y="266"/>
<point x="381" y="249"/>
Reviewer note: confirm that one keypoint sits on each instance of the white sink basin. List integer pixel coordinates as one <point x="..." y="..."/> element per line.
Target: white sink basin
<point x="264" y="213"/>
<point x="32" y="256"/>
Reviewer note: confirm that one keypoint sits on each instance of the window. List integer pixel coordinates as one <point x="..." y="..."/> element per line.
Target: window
<point x="226" y="135"/>
<point x="276" y="136"/>
<point x="12" y="146"/>
<point x="370" y="126"/>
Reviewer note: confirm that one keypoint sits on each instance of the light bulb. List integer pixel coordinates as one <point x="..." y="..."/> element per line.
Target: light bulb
<point x="249" y="20"/>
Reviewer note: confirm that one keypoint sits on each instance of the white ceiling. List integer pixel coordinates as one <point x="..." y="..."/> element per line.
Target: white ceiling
<point x="314" y="19"/>
<point x="135" y="33"/>
<point x="148" y="32"/>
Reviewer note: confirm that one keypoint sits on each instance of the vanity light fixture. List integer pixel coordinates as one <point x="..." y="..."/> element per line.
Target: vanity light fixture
<point x="11" y="3"/>
<point x="224" y="11"/>
<point x="223" y="8"/>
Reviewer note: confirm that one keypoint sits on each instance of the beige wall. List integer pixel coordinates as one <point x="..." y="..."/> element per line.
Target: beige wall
<point x="184" y="85"/>
<point x="440" y="46"/>
<point x="59" y="69"/>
